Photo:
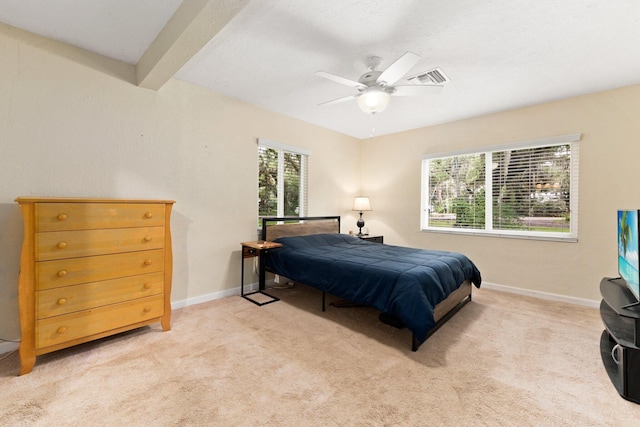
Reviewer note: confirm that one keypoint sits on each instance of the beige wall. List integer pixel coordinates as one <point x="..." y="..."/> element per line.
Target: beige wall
<point x="609" y="180"/>
<point x="73" y="124"/>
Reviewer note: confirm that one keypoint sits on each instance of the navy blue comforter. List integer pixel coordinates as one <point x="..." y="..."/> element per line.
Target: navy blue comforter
<point x="405" y="283"/>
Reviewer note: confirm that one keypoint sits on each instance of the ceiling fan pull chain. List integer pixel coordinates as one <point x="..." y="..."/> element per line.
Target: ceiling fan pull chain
<point x="373" y="128"/>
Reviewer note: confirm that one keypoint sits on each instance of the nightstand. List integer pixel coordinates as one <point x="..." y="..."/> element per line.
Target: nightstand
<point x="375" y="239"/>
<point x="257" y="249"/>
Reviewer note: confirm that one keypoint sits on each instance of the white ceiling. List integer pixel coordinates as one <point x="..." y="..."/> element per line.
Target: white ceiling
<point x="498" y="54"/>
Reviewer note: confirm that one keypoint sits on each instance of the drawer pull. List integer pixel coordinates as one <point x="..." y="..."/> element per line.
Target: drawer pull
<point x="62" y="217"/>
<point x="62" y="301"/>
<point x="148" y="238"/>
<point x="147" y="285"/>
<point x="62" y="245"/>
<point x="62" y="329"/>
<point x="147" y="309"/>
<point x="148" y="215"/>
<point x="62" y="273"/>
<point x="147" y="262"/>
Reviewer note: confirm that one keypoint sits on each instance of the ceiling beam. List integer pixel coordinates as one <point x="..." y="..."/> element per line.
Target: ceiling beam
<point x="191" y="27"/>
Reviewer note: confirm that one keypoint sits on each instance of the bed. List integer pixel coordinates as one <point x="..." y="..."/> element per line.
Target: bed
<point x="417" y="288"/>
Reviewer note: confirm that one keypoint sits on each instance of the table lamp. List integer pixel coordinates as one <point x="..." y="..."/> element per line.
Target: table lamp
<point x="361" y="204"/>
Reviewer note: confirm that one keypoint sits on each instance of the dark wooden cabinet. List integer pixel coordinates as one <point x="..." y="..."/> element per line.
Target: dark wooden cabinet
<point x="376" y="239"/>
<point x="620" y="341"/>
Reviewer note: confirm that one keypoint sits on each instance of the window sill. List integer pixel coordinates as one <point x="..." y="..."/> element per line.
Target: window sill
<point x="506" y="235"/>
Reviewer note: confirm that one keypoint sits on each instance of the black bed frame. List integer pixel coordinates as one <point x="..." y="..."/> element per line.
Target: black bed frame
<point x="415" y="343"/>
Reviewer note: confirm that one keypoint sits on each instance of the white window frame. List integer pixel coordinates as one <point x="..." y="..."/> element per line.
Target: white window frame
<point x="281" y="149"/>
<point x="571" y="236"/>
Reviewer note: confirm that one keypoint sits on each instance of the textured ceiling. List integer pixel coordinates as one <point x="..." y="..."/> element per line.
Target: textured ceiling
<point x="120" y="29"/>
<point x="498" y="54"/>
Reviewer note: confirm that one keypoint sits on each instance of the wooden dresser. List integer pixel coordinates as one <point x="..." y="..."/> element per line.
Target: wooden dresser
<point x="90" y="268"/>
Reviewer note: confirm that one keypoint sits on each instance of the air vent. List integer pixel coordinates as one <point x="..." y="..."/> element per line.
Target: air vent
<point x="431" y="77"/>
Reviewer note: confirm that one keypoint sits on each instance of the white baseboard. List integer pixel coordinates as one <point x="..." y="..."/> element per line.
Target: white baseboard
<point x="494" y="286"/>
<point x="8" y="346"/>
<point x="212" y="296"/>
<point x="542" y="295"/>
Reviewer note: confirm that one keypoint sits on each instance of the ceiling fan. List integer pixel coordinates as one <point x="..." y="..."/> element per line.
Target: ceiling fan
<point x="375" y="87"/>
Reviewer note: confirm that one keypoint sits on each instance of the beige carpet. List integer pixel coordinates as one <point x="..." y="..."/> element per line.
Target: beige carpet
<point x="503" y="360"/>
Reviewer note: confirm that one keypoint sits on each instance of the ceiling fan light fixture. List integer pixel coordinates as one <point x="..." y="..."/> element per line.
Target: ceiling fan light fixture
<point x="374" y="100"/>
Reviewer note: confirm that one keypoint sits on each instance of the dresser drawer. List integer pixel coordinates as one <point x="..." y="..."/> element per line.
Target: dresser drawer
<point x="73" y="271"/>
<point x="57" y="301"/>
<point x="89" y="216"/>
<point x="59" y="329"/>
<point x="81" y="243"/>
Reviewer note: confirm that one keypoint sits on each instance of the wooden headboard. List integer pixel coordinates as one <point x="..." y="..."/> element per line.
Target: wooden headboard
<point x="273" y="228"/>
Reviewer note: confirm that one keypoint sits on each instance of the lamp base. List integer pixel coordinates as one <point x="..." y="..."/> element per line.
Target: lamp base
<point x="360" y="224"/>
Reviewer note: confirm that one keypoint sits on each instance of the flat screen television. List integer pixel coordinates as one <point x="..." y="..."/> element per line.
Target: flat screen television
<point x="628" y="247"/>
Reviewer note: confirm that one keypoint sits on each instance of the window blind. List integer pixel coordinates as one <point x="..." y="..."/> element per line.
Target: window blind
<point x="525" y="189"/>
<point x="282" y="179"/>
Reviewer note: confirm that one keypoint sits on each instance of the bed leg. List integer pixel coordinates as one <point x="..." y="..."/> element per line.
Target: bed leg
<point x="323" y="300"/>
<point x="415" y="344"/>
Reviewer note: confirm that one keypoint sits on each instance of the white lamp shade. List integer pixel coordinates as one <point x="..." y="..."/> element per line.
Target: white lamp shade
<point x="373" y="100"/>
<point x="361" y="204"/>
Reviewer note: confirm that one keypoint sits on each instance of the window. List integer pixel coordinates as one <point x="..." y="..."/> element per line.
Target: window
<point x="282" y="179"/>
<point x="527" y="189"/>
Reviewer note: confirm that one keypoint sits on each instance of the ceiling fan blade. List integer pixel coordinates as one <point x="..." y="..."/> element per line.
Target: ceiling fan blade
<point x="415" y="90"/>
<point x="398" y="69"/>
<point x="339" y="100"/>
<point x="338" y="79"/>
